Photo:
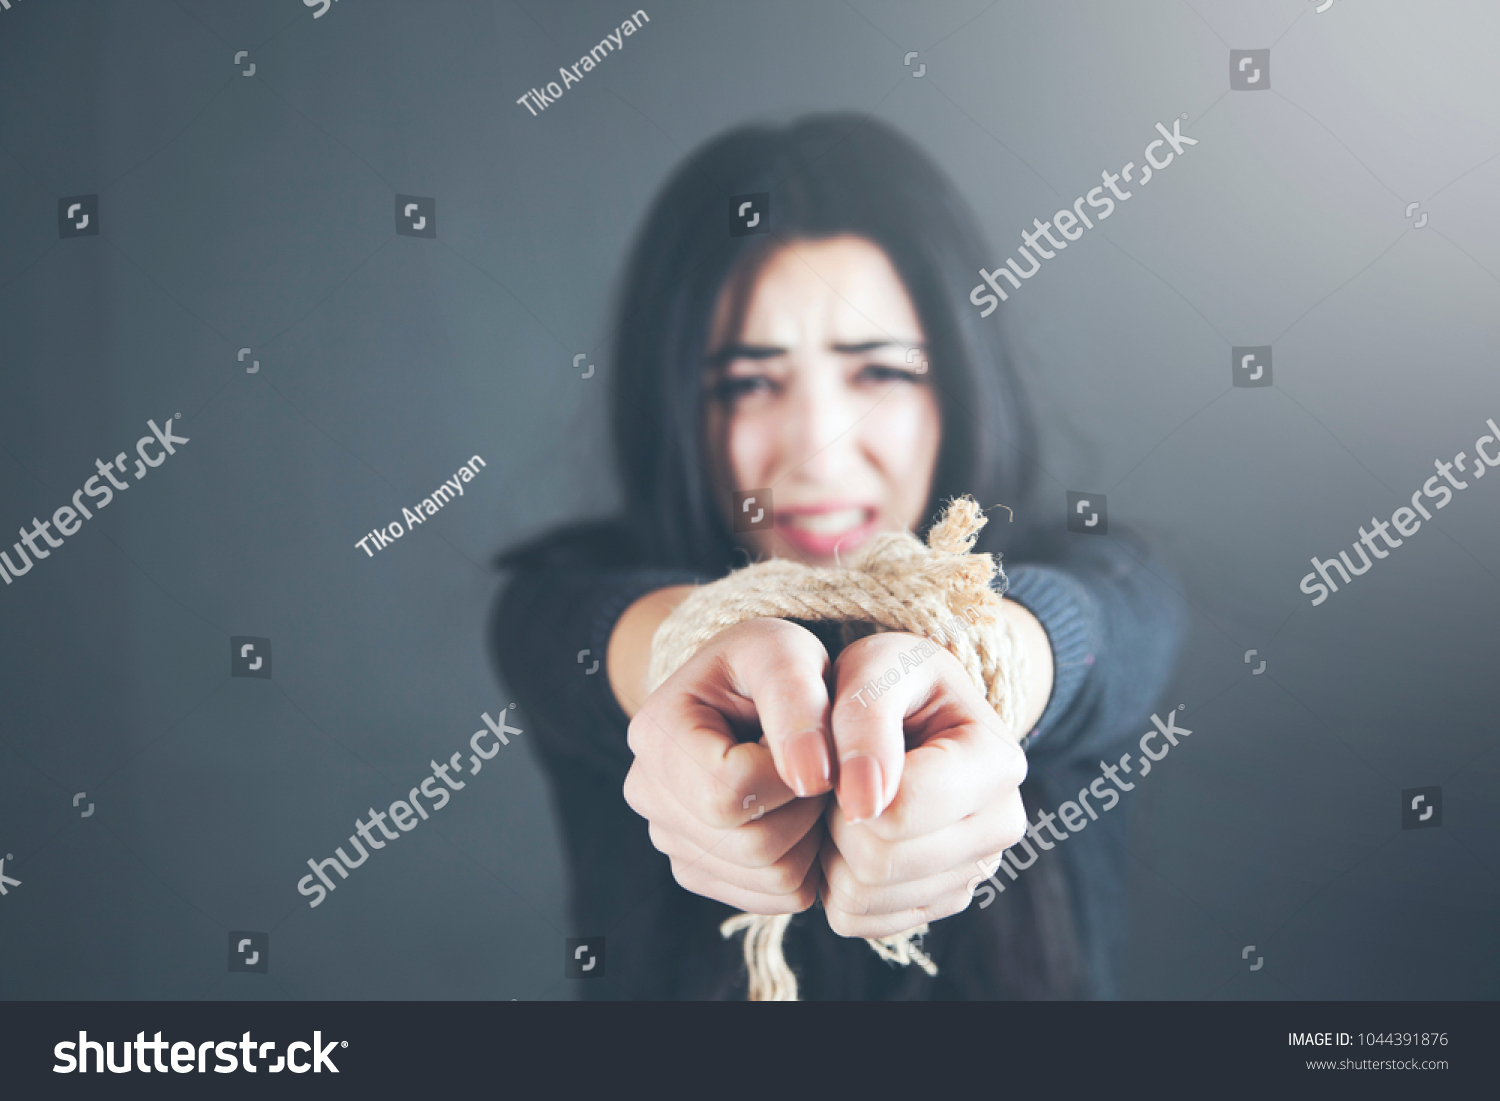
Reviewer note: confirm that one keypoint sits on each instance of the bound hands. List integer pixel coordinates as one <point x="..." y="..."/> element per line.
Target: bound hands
<point x="877" y="805"/>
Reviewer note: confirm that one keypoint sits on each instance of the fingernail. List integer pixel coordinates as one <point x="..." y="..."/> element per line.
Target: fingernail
<point x="806" y="756"/>
<point x="861" y="786"/>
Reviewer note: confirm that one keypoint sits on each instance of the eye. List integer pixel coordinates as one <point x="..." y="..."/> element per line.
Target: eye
<point x="879" y="372"/>
<point x="730" y="388"/>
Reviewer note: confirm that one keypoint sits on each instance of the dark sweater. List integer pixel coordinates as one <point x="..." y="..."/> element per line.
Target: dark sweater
<point x="1114" y="622"/>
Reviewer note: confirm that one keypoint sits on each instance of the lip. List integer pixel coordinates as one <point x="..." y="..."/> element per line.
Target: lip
<point x="825" y="546"/>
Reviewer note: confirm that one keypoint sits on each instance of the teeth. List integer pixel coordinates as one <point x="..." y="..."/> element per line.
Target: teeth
<point x="828" y="523"/>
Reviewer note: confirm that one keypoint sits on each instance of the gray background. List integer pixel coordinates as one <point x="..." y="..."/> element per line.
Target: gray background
<point x="259" y="212"/>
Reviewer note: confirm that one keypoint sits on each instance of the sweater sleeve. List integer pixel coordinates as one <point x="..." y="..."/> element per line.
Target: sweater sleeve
<point x="550" y="633"/>
<point x="1115" y="619"/>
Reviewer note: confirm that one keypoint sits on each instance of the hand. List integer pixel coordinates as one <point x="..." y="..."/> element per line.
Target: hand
<point x="724" y="810"/>
<point x="909" y="824"/>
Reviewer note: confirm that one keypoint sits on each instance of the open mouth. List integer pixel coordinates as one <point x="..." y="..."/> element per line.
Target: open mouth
<point x="822" y="530"/>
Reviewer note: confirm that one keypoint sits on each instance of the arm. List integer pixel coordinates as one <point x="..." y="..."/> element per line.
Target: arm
<point x="1115" y="618"/>
<point x="630" y="643"/>
<point x="543" y="621"/>
<point x="1031" y="636"/>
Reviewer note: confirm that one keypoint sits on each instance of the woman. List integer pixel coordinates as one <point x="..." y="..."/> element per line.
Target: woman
<point x="833" y="361"/>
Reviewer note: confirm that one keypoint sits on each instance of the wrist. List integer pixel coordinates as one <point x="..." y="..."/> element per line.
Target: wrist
<point x="1039" y="668"/>
<point x="629" y="654"/>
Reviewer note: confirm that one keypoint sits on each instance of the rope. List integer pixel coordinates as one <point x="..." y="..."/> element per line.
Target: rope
<point x="939" y="591"/>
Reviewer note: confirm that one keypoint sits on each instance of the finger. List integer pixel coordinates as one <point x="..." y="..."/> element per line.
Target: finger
<point x="862" y="900"/>
<point x="782" y="668"/>
<point x="783" y="877"/>
<point x="885" y="925"/>
<point x="693" y="877"/>
<point x="688" y="748"/>
<point x="758" y="843"/>
<point x="854" y="909"/>
<point x="876" y="862"/>
<point x="960" y="770"/>
<point x="868" y="722"/>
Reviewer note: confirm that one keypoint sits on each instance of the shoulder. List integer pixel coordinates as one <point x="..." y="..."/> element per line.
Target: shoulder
<point x="582" y="544"/>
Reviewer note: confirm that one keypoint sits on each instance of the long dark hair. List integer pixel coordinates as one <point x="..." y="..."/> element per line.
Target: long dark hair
<point x="826" y="175"/>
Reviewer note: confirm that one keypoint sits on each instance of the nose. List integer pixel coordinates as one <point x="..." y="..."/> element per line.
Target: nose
<point x="820" y="433"/>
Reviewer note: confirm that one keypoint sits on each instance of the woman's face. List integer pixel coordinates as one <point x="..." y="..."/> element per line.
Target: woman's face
<point x="816" y="399"/>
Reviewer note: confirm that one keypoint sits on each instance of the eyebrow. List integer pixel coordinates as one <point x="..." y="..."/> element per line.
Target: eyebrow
<point x="867" y="346"/>
<point x="731" y="352"/>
